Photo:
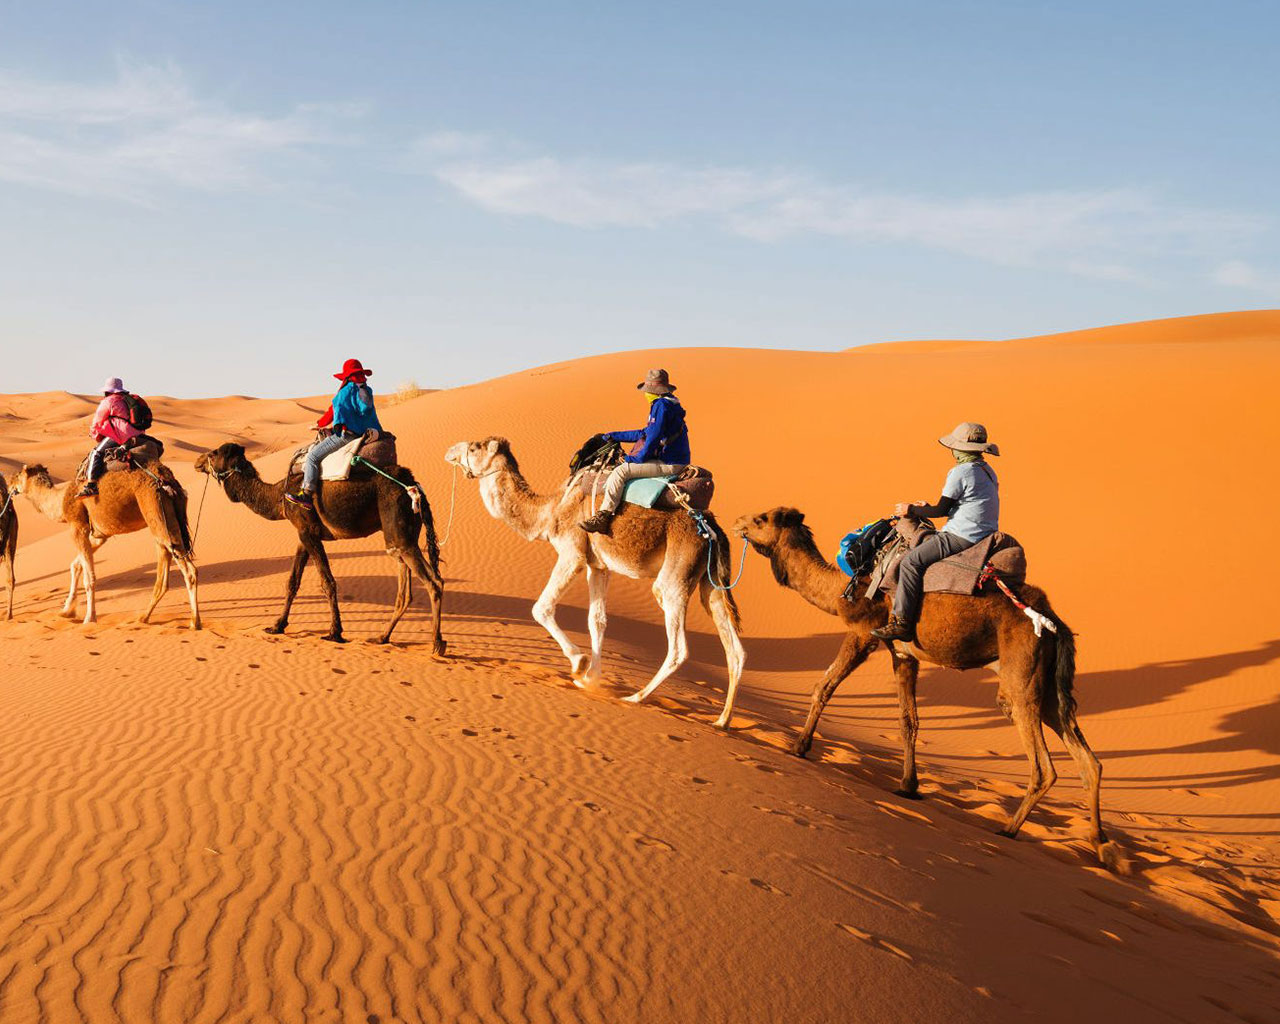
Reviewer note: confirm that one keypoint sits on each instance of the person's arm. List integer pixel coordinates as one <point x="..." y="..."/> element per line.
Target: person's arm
<point x="624" y="436"/>
<point x="943" y="507"/>
<point x="326" y="420"/>
<point x="100" y="420"/>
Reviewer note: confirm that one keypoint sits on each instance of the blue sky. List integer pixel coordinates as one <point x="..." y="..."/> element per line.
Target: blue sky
<point x="212" y="198"/>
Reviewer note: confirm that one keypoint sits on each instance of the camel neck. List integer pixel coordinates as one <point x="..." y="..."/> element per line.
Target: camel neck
<point x="508" y="497"/>
<point x="260" y="497"/>
<point x="797" y="564"/>
<point x="47" y="498"/>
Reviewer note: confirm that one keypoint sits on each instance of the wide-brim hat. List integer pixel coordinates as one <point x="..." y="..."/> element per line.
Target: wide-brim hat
<point x="352" y="368"/>
<point x="112" y="386"/>
<point x="969" y="437"/>
<point x="656" y="382"/>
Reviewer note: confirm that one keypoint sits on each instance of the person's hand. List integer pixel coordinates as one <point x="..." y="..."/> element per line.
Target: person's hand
<point x="606" y="437"/>
<point x="902" y="509"/>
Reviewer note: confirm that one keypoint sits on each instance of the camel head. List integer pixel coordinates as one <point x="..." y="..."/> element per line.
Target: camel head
<point x="764" y="531"/>
<point x="28" y="475"/>
<point x="482" y="458"/>
<point x="224" y="460"/>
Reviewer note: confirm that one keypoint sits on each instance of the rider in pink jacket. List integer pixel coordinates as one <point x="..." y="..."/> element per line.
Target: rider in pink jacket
<point x="111" y="429"/>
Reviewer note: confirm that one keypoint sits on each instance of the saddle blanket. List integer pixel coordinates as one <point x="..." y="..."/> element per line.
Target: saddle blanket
<point x="955" y="575"/>
<point x="141" y="450"/>
<point x="376" y="447"/>
<point x="695" y="483"/>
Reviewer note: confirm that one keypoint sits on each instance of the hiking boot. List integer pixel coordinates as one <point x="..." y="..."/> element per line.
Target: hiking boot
<point x="89" y="490"/>
<point x="302" y="499"/>
<point x="601" y="522"/>
<point x="896" y="629"/>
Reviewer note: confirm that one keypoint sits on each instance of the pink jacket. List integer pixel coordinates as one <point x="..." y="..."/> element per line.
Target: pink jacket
<point x="112" y="420"/>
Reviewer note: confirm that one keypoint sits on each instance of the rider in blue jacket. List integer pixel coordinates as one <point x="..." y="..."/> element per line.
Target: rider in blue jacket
<point x="661" y="448"/>
<point x="349" y="415"/>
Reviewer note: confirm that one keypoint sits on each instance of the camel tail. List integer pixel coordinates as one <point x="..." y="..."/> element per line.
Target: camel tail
<point x="176" y="515"/>
<point x="722" y="567"/>
<point x="430" y="542"/>
<point x="1064" y="672"/>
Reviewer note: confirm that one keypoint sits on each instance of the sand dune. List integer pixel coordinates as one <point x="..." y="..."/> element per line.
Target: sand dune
<point x="224" y="826"/>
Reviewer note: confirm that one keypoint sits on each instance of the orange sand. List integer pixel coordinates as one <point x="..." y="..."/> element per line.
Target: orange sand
<point x="225" y="826"/>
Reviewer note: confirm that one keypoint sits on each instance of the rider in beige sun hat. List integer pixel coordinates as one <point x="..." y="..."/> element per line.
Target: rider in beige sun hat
<point x="970" y="501"/>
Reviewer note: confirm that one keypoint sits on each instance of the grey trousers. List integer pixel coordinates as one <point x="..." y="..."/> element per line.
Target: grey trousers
<point x="910" y="595"/>
<point x="628" y="471"/>
<point x="315" y="455"/>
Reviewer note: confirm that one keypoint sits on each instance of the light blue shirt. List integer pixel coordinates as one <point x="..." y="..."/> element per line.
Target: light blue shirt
<point x="973" y="485"/>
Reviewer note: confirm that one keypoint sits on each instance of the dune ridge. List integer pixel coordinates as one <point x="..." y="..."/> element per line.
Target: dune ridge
<point x="223" y="826"/>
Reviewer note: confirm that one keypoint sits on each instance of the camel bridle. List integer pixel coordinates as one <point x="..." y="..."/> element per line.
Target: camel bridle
<point x="470" y="473"/>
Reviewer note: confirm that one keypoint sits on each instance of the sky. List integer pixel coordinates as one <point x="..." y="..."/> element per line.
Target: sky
<point x="232" y="198"/>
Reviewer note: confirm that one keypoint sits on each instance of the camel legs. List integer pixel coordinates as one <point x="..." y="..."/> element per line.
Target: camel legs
<point x="674" y="600"/>
<point x="291" y="588"/>
<point x="597" y="619"/>
<point x="429" y="576"/>
<point x="718" y="605"/>
<point x="69" y="606"/>
<point x="163" y="561"/>
<point x="404" y="594"/>
<point x="90" y="577"/>
<point x="1021" y="703"/>
<point x="330" y="586"/>
<point x="544" y="610"/>
<point x="905" y="671"/>
<point x="187" y="567"/>
<point x="854" y="649"/>
<point x="1089" y="766"/>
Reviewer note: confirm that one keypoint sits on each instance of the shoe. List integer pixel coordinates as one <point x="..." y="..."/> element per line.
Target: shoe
<point x="89" y="490"/>
<point x="896" y="629"/>
<point x="302" y="499"/>
<point x="601" y="522"/>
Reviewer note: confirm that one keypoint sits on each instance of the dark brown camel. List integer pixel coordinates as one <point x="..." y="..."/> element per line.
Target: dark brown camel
<point x="955" y="631"/>
<point x="8" y="538"/>
<point x="345" y="510"/>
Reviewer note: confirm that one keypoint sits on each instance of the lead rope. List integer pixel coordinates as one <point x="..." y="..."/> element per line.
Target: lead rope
<point x="200" y="513"/>
<point x="413" y="490"/>
<point x="453" y="494"/>
<point x="1039" y="621"/>
<point x="705" y="531"/>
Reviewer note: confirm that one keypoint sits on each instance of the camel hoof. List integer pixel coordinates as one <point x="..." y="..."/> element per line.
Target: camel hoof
<point x="197" y="625"/>
<point x="723" y="722"/>
<point x="67" y="613"/>
<point x="1006" y="833"/>
<point x="579" y="666"/>
<point x="273" y="630"/>
<point x="381" y="639"/>
<point x="908" y="794"/>
<point x="635" y="698"/>
<point x="439" y="647"/>
<point x="800" y="749"/>
<point x="1113" y="858"/>
<point x="334" y="638"/>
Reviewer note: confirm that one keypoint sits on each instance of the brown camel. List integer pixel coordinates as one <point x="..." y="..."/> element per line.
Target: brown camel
<point x="662" y="546"/>
<point x="8" y="538"/>
<point x="127" y="501"/>
<point x="955" y="631"/>
<point x="345" y="510"/>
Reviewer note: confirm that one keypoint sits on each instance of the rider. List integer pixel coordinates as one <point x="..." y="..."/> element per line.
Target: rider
<point x="112" y="427"/>
<point x="663" y="448"/>
<point x="971" y="501"/>
<point x="350" y="414"/>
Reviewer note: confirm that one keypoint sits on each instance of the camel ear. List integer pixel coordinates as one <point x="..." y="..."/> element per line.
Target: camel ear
<point x="494" y="445"/>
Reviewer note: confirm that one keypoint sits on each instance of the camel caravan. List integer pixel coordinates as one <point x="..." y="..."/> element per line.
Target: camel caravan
<point x="634" y="504"/>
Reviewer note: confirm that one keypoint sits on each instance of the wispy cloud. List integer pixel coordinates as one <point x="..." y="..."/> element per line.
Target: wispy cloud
<point x="144" y="131"/>
<point x="1238" y="274"/>
<point x="1111" y="234"/>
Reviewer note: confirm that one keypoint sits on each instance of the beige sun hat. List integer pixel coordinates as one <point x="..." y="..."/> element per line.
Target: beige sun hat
<point x="969" y="437"/>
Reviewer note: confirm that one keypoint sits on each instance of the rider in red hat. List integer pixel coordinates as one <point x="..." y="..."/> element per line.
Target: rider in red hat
<point x="350" y="414"/>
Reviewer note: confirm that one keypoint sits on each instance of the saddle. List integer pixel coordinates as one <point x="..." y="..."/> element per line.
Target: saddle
<point x="142" y="450"/>
<point x="695" y="484"/>
<point x="958" y="574"/>
<point x="374" y="446"/>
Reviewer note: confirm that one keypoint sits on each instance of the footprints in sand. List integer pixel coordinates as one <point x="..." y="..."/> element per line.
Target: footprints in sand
<point x="875" y="941"/>
<point x="650" y="842"/>
<point x="759" y="883"/>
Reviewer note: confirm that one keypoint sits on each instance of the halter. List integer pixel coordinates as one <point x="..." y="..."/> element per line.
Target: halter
<point x="470" y="473"/>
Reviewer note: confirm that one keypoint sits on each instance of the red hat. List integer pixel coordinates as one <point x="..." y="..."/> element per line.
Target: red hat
<point x="352" y="368"/>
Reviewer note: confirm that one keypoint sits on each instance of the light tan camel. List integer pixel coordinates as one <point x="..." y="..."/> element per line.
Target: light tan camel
<point x="8" y="538"/>
<point x="662" y="546"/>
<point x="127" y="501"/>
<point x="956" y="631"/>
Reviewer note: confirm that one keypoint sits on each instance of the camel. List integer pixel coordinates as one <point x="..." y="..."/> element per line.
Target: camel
<point x="127" y="501"/>
<point x="345" y="510"/>
<point x="8" y="538"/>
<point x="955" y="631"/>
<point x="653" y="544"/>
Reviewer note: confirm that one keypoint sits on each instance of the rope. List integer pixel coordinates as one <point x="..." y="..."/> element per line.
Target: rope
<point x="414" y="492"/>
<point x="1039" y="622"/>
<point x="453" y="494"/>
<point x="7" y="502"/>
<point x="200" y="512"/>
<point x="705" y="531"/>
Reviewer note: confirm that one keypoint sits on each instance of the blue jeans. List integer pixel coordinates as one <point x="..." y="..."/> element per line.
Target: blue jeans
<point x="316" y="453"/>
<point x="910" y="594"/>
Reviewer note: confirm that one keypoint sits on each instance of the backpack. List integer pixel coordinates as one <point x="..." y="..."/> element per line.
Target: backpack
<point x="139" y="411"/>
<point x="595" y="451"/>
<point x="858" y="549"/>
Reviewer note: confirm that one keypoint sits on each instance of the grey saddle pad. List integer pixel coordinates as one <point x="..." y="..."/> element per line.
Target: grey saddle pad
<point x="143" y="450"/>
<point x="695" y="483"/>
<point x="378" y="447"/>
<point x="957" y="574"/>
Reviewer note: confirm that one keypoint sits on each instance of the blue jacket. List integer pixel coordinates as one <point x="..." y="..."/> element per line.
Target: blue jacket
<point x="665" y="438"/>
<point x="353" y="408"/>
